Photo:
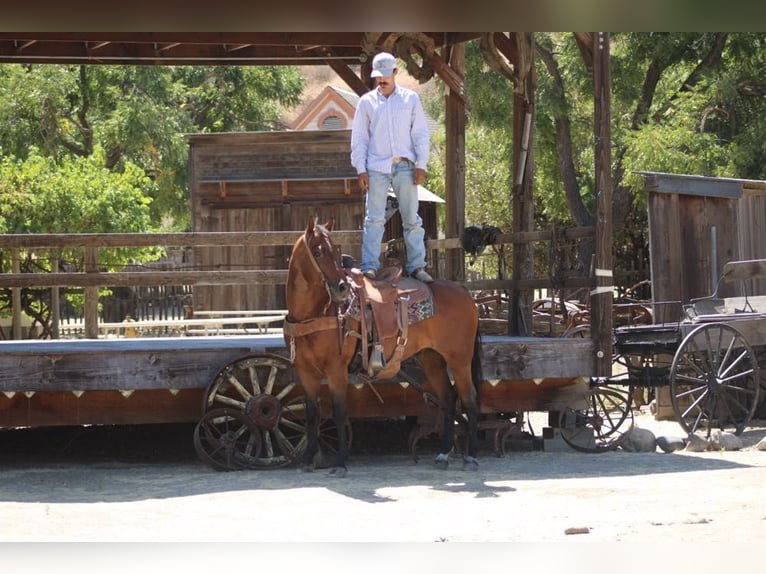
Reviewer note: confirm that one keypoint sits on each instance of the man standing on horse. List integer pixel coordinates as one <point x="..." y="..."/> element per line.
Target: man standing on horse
<point x="389" y="149"/>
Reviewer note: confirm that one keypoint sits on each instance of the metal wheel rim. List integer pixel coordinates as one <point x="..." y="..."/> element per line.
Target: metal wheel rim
<point x="714" y="380"/>
<point x="598" y="422"/>
<point x="226" y="440"/>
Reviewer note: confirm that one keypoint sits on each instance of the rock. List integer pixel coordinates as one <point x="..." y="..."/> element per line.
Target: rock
<point x="640" y="440"/>
<point x="695" y="443"/>
<point x="761" y="445"/>
<point x="670" y="443"/>
<point x="720" y="440"/>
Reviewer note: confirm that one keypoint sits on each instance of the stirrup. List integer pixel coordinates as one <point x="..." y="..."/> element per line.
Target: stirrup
<point x="377" y="362"/>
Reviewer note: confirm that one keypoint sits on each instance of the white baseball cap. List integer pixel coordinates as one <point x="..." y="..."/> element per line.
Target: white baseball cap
<point x="383" y="65"/>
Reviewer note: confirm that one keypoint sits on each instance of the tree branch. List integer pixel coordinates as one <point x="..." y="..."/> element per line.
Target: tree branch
<point x="577" y="208"/>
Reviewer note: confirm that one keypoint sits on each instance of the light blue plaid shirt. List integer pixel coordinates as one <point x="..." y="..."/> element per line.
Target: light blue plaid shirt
<point x="384" y="128"/>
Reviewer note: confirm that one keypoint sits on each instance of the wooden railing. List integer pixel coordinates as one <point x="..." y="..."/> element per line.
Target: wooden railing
<point x="92" y="277"/>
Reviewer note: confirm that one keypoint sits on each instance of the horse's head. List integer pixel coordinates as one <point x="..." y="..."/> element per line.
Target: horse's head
<point x="327" y="260"/>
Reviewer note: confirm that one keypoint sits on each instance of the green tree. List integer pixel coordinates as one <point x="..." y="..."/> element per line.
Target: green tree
<point x="681" y="103"/>
<point x="42" y="195"/>
<point x="138" y="115"/>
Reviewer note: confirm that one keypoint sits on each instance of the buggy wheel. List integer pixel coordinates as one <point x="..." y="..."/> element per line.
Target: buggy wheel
<point x="262" y="389"/>
<point x="599" y="422"/>
<point x="714" y="380"/>
<point x="226" y="440"/>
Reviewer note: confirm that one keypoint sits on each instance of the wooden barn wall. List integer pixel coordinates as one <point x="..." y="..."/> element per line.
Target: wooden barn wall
<point x="271" y="181"/>
<point x="264" y="181"/>
<point x="752" y="238"/>
<point x="681" y="245"/>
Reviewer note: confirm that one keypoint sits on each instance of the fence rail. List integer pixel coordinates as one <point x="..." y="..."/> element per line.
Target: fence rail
<point x="94" y="277"/>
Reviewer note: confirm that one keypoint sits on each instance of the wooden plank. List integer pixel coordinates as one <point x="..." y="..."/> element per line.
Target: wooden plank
<point x="120" y="279"/>
<point x="697" y="185"/>
<point x="191" y="362"/>
<point x="666" y="254"/>
<point x="738" y="270"/>
<point x="536" y="358"/>
<point x="123" y="364"/>
<point x="100" y="408"/>
<point x="46" y="409"/>
<point x="82" y="240"/>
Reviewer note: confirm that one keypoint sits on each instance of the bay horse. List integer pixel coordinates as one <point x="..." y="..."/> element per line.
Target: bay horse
<point x="323" y="342"/>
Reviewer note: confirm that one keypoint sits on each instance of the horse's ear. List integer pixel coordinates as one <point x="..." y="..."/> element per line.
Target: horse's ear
<point x="330" y="224"/>
<point x="310" y="226"/>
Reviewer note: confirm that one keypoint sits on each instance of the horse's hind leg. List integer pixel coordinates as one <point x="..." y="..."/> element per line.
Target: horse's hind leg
<point x="470" y="406"/>
<point x="448" y="431"/>
<point x="435" y="371"/>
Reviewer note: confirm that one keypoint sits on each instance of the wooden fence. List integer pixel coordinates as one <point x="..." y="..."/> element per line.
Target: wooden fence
<point x="95" y="276"/>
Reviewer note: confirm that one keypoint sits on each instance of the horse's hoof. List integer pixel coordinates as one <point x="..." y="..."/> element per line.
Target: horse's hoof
<point x="470" y="463"/>
<point x="441" y="461"/>
<point x="338" y="471"/>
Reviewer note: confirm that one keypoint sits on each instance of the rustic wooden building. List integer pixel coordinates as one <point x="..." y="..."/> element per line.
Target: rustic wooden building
<point x="272" y="181"/>
<point x="696" y="225"/>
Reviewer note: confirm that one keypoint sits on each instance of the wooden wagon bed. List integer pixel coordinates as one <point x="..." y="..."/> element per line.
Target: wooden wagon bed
<point x="163" y="380"/>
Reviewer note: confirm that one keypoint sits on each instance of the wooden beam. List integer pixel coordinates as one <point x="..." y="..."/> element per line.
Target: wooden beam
<point x="522" y="198"/>
<point x="196" y="239"/>
<point x="602" y="295"/>
<point x="585" y="43"/>
<point x="449" y="74"/>
<point x="126" y="279"/>
<point x="455" y="171"/>
<point x="346" y="74"/>
<point x="506" y="46"/>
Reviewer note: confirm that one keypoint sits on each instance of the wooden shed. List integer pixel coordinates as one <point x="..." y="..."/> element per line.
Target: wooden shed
<point x="271" y="181"/>
<point x="696" y="225"/>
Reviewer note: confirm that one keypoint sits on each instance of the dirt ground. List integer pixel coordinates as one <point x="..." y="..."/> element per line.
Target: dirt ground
<point x="138" y="484"/>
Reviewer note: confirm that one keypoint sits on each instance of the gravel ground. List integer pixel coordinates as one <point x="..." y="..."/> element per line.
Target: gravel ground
<point x="137" y="484"/>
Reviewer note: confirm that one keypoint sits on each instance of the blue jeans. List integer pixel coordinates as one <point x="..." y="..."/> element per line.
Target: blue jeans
<point x="401" y="179"/>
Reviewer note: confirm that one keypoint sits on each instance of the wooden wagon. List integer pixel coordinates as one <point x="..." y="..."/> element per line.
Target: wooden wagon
<point x="708" y="362"/>
<point x="701" y="359"/>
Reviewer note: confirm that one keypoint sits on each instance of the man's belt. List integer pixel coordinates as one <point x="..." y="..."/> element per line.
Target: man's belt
<point x="399" y="159"/>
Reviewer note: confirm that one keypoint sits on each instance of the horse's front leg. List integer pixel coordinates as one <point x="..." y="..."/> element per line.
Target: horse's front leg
<point x="311" y="384"/>
<point x="340" y="414"/>
<point x="312" y="433"/>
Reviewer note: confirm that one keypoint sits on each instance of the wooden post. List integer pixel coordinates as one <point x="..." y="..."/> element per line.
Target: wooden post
<point x="455" y="172"/>
<point x="522" y="197"/>
<point x="15" y="297"/>
<point x="91" y="295"/>
<point x="602" y="294"/>
<point x="55" y="256"/>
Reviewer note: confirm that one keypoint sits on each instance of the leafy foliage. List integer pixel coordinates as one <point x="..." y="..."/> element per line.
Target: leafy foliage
<point x="138" y="115"/>
<point x="76" y="194"/>
<point x="681" y="103"/>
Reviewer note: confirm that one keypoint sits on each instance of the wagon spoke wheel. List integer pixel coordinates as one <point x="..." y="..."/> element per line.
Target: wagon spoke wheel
<point x="714" y="380"/>
<point x="227" y="440"/>
<point x="599" y="422"/>
<point x="262" y="388"/>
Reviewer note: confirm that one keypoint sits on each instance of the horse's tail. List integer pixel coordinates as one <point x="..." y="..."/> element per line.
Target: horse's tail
<point x="476" y="372"/>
